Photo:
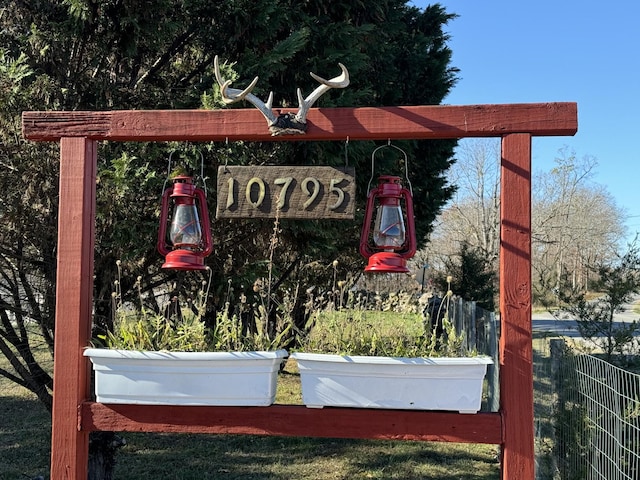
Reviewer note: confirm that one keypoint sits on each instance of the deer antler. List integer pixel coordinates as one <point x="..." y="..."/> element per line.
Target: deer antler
<point x="341" y="81"/>
<point x="232" y="95"/>
<point x="286" y="123"/>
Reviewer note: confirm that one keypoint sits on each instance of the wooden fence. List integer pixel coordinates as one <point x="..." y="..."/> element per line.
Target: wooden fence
<point x="481" y="331"/>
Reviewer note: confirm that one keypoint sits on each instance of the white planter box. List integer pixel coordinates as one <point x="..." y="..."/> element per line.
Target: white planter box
<point x="185" y="378"/>
<point x="397" y="383"/>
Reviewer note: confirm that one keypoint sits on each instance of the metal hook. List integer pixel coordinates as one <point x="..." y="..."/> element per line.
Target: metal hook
<point x="406" y="164"/>
<point x="164" y="185"/>
<point x="346" y="152"/>
<point x="226" y="159"/>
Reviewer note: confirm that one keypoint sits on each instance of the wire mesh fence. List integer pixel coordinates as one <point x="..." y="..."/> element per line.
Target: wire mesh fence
<point x="587" y="416"/>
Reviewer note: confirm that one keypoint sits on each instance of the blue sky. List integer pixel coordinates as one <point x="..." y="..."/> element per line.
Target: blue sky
<point x="559" y="51"/>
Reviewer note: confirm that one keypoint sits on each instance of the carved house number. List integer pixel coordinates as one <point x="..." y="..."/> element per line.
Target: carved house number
<point x="289" y="192"/>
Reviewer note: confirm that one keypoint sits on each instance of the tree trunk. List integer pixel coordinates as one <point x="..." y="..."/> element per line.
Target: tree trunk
<point x="103" y="447"/>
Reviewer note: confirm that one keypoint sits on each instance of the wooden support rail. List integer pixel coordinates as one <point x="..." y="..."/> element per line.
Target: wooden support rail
<point x="74" y="416"/>
<point x="295" y="420"/>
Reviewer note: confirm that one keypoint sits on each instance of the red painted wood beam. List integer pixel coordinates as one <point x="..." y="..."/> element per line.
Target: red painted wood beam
<point x="516" y="350"/>
<point x="74" y="294"/>
<point x="295" y="420"/>
<point x="368" y="123"/>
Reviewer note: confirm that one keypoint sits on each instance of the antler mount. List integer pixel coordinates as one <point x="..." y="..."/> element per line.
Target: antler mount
<point x="283" y="123"/>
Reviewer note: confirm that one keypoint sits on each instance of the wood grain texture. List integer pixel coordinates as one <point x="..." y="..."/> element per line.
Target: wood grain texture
<point x="74" y="293"/>
<point x="516" y="352"/>
<point x="366" y="123"/>
<point x="306" y="192"/>
<point x="296" y="420"/>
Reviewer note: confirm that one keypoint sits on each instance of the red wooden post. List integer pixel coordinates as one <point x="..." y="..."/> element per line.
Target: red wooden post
<point x="516" y="355"/>
<point x="70" y="445"/>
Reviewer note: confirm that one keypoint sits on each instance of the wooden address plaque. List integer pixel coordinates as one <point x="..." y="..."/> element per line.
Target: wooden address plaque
<point x="289" y="192"/>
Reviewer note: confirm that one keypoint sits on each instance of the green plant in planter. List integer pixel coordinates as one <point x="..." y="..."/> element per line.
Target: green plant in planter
<point x="229" y="334"/>
<point x="358" y="332"/>
<point x="146" y="331"/>
<point x="183" y="327"/>
<point x="353" y="334"/>
<point x="359" y="362"/>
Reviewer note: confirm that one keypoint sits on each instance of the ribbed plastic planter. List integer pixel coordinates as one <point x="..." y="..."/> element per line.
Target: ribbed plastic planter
<point x="397" y="383"/>
<point x="185" y="378"/>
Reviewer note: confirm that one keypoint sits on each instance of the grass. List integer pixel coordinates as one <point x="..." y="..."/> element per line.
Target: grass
<point x="25" y="433"/>
<point x="25" y="429"/>
<point x="271" y="458"/>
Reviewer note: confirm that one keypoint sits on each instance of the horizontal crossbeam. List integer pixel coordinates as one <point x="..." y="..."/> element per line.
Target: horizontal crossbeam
<point x="295" y="420"/>
<point x="368" y="123"/>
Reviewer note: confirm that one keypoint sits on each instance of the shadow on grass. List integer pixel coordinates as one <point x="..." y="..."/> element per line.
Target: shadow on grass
<point x="186" y="457"/>
<point x="25" y="438"/>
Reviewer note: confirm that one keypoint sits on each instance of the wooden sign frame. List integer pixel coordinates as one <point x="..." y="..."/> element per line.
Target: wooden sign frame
<point x="75" y="415"/>
<point x="300" y="192"/>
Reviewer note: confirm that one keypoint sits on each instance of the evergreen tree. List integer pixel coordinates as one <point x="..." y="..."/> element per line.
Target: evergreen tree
<point x="472" y="277"/>
<point x="103" y="54"/>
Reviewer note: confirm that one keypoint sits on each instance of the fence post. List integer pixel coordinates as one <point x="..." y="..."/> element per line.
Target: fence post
<point x="493" y="371"/>
<point x="472" y="342"/>
<point x="74" y="287"/>
<point x="556" y="350"/>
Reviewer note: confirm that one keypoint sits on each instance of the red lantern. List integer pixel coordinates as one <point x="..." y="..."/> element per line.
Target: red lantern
<point x="188" y="241"/>
<point x="390" y="243"/>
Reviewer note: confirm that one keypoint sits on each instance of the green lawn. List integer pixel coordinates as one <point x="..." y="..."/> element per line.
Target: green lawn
<point x="25" y="434"/>
<point x="25" y="429"/>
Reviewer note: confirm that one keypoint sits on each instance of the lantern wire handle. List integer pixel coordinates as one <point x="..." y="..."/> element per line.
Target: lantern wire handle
<point x="202" y="177"/>
<point x="406" y="164"/>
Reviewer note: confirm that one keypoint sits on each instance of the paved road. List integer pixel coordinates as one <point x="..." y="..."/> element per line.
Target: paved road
<point x="544" y="322"/>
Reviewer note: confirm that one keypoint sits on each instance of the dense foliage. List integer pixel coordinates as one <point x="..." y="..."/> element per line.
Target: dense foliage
<point x="469" y="275"/>
<point x="106" y="54"/>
